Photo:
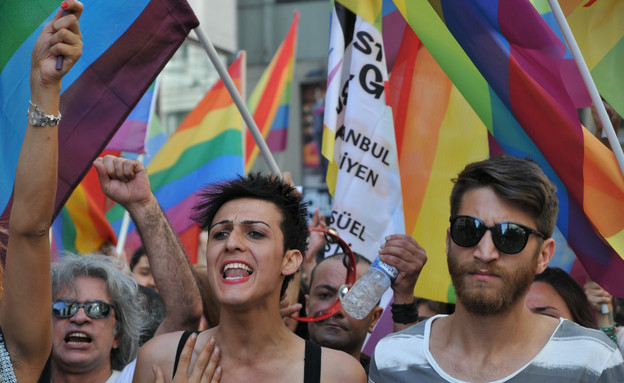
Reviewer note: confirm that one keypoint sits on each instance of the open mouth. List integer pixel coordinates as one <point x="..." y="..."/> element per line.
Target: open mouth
<point x="236" y="270"/>
<point x="77" y="338"/>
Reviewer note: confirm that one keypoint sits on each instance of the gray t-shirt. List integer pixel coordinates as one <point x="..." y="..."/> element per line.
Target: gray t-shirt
<point x="573" y="354"/>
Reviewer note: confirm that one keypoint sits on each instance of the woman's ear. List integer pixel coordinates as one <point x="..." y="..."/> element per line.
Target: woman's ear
<point x="291" y="261"/>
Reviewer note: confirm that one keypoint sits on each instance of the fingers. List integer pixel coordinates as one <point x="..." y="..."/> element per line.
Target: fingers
<point x="403" y="252"/>
<point x="118" y="168"/>
<point x="159" y="377"/>
<point x="185" y="359"/>
<point x="206" y="365"/>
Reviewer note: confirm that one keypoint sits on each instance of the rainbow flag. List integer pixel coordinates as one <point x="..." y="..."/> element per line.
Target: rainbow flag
<point x="437" y="133"/>
<point x="206" y="148"/>
<point x="269" y="103"/>
<point x="599" y="31"/>
<point x="507" y="63"/>
<point x="82" y="227"/>
<point x="126" y="44"/>
<point x="132" y="135"/>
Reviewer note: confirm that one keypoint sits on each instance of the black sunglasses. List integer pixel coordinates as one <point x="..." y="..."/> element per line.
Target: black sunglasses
<point x="508" y="237"/>
<point x="94" y="309"/>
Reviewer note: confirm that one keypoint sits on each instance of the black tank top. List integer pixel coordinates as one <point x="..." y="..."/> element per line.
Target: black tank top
<point x="311" y="367"/>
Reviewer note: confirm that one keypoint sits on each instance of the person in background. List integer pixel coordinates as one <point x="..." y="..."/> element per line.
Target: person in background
<point x="555" y="293"/>
<point x="342" y="331"/>
<point x="605" y="321"/>
<point x="96" y="321"/>
<point x="25" y="322"/>
<point x="140" y="268"/>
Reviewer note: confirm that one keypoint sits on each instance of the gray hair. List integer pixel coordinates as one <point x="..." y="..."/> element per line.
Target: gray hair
<point x="122" y="289"/>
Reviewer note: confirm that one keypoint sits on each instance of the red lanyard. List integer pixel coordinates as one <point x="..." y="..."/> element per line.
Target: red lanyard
<point x="349" y="262"/>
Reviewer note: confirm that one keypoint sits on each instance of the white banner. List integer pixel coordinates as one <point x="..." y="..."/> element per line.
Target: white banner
<point x="367" y="196"/>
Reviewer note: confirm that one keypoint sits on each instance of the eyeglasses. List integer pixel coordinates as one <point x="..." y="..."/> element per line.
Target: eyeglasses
<point x="94" y="309"/>
<point x="508" y="237"/>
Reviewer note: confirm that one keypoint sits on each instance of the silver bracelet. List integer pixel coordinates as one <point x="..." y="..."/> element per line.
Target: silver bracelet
<point x="37" y="117"/>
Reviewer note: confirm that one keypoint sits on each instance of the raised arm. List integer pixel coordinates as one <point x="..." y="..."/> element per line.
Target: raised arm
<point x="403" y="252"/>
<point x="125" y="182"/>
<point x="25" y="310"/>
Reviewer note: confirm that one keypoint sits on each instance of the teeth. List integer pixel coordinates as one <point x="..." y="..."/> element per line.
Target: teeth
<point x="77" y="338"/>
<point x="78" y="335"/>
<point x="237" y="266"/>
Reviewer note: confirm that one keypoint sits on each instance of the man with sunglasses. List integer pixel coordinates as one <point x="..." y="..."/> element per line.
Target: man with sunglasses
<point x="503" y="213"/>
<point x="95" y="318"/>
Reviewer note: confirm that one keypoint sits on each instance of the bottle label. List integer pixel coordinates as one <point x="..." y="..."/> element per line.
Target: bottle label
<point x="390" y="271"/>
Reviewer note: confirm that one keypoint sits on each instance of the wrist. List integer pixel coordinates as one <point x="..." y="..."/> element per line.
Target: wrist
<point x="405" y="313"/>
<point x="144" y="208"/>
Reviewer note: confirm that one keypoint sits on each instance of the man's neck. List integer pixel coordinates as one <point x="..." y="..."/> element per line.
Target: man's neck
<point x="475" y="347"/>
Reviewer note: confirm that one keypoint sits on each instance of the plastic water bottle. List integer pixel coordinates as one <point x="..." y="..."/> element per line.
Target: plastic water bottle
<point x="367" y="291"/>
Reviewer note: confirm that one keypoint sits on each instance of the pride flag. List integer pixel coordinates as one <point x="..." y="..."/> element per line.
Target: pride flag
<point x="205" y="148"/>
<point x="598" y="29"/>
<point x="269" y="103"/>
<point x="507" y="63"/>
<point x="82" y="227"/>
<point x="126" y="44"/>
<point x="132" y="135"/>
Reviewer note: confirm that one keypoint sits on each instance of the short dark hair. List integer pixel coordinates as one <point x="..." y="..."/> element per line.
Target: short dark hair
<point x="571" y="293"/>
<point x="358" y="259"/>
<point x="520" y="182"/>
<point x="136" y="256"/>
<point x="268" y="188"/>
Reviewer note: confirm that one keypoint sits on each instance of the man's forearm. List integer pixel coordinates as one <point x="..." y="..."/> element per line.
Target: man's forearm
<point x="170" y="268"/>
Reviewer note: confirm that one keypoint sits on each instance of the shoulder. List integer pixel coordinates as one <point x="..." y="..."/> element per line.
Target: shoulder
<point x="400" y="351"/>
<point x="600" y="354"/>
<point x="338" y="366"/>
<point x="159" y="350"/>
<point x="409" y="335"/>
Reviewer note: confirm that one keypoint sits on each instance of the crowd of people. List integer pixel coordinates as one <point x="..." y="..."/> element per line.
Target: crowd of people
<point x="160" y="319"/>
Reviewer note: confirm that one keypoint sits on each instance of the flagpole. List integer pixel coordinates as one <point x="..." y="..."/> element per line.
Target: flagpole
<point x="125" y="224"/>
<point x="593" y="92"/>
<point x="589" y="82"/>
<point x="238" y="100"/>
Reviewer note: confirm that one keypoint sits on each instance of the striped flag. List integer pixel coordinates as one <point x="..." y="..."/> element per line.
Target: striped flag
<point x="507" y="63"/>
<point x="437" y="133"/>
<point x="82" y="227"/>
<point x="205" y="148"/>
<point x="269" y="103"/>
<point x="132" y="135"/>
<point x="126" y="44"/>
<point x="598" y="27"/>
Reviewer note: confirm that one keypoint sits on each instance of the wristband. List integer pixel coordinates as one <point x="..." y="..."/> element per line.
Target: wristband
<point x="37" y="117"/>
<point x="405" y="313"/>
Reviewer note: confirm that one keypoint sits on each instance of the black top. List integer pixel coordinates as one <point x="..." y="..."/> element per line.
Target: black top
<point x="311" y="367"/>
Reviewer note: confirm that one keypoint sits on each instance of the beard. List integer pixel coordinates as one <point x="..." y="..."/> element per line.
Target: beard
<point x="480" y="297"/>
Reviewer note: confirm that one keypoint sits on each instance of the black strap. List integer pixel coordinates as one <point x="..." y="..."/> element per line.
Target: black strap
<point x="183" y="339"/>
<point x="312" y="363"/>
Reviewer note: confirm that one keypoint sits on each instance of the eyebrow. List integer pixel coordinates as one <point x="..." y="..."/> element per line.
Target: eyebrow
<point x="541" y="309"/>
<point x="326" y="287"/>
<point x="247" y="222"/>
